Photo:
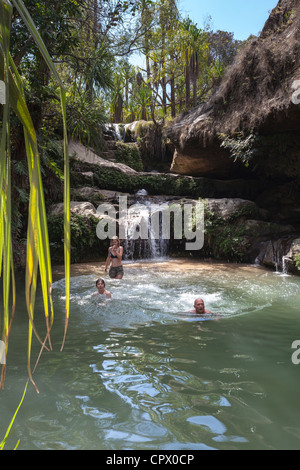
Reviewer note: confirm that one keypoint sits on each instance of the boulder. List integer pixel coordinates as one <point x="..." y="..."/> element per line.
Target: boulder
<point x="291" y="261"/>
<point x="256" y="94"/>
<point x="227" y="208"/>
<point x="279" y="254"/>
<point x="96" y="196"/>
<point x="84" y="209"/>
<point x="209" y="162"/>
<point x="261" y="229"/>
<point x="86" y="155"/>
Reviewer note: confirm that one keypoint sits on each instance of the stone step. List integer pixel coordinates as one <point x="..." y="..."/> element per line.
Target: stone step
<point x="108" y="155"/>
<point x="111" y="145"/>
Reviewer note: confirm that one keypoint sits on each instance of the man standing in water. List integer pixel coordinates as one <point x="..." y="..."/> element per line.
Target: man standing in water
<point x="199" y="307"/>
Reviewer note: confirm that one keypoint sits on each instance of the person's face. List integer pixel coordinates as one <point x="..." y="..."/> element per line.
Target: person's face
<point x="199" y="306"/>
<point x="100" y="285"/>
<point x="114" y="243"/>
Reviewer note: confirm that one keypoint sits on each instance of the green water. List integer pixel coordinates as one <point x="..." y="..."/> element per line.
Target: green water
<point x="137" y="374"/>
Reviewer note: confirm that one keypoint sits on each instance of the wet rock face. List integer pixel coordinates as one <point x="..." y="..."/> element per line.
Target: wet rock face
<point x="235" y="229"/>
<point x="282" y="254"/>
<point x="292" y="259"/>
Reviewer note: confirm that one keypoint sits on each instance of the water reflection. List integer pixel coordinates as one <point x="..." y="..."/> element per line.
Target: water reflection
<point x="135" y="374"/>
<point x="169" y="390"/>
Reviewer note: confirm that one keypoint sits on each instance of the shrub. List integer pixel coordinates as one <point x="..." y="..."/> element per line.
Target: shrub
<point x="129" y="154"/>
<point x="84" y="239"/>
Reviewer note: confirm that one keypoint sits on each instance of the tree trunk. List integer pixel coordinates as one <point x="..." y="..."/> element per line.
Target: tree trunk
<point x="173" y="99"/>
<point x="187" y="84"/>
<point x="194" y="81"/>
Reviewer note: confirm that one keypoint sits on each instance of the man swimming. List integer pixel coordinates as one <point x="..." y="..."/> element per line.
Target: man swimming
<point x="199" y="307"/>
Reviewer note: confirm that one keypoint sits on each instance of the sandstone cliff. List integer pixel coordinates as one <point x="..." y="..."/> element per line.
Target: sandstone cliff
<point x="257" y="97"/>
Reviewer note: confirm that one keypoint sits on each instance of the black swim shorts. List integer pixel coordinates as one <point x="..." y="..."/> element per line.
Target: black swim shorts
<point x="115" y="271"/>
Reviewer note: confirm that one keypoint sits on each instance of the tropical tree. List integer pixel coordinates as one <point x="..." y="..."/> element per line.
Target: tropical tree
<point x="116" y="99"/>
<point x="119" y="95"/>
<point x="194" y="54"/>
<point x="56" y="23"/>
<point x="142" y="99"/>
<point x="182" y="61"/>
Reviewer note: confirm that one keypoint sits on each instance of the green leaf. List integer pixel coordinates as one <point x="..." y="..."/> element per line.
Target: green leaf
<point x="37" y="38"/>
<point x="8" y="432"/>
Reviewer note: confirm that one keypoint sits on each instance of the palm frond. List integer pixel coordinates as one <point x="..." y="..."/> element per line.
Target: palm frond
<point x="8" y="432"/>
<point x="38" y="250"/>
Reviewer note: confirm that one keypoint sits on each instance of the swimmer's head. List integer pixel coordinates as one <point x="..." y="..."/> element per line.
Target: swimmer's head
<point x="100" y="281"/>
<point x="199" y="306"/>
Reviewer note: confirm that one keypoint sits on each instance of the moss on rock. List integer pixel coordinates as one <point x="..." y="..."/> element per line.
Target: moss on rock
<point x="85" y="245"/>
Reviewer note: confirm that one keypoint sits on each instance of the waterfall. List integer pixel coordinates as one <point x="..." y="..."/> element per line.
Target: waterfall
<point x="275" y="254"/>
<point x="118" y="131"/>
<point x="285" y="264"/>
<point x="144" y="237"/>
<point x="114" y="130"/>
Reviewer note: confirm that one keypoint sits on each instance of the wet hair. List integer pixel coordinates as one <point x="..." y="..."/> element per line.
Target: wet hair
<point x="100" y="279"/>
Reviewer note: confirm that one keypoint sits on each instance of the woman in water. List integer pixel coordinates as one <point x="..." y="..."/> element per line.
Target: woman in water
<point x="114" y="258"/>
<point x="100" y="284"/>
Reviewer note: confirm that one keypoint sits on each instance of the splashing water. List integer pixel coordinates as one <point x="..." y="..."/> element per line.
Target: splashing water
<point x="150" y="293"/>
<point x="138" y="374"/>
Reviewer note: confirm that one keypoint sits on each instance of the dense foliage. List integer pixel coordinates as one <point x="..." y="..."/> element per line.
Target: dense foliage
<point x="120" y="61"/>
<point x="95" y="43"/>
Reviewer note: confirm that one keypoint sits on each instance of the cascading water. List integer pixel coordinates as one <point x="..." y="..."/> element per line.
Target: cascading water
<point x="114" y="131"/>
<point x="275" y="254"/>
<point x="144" y="230"/>
<point x="118" y="131"/>
<point x="142" y="240"/>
